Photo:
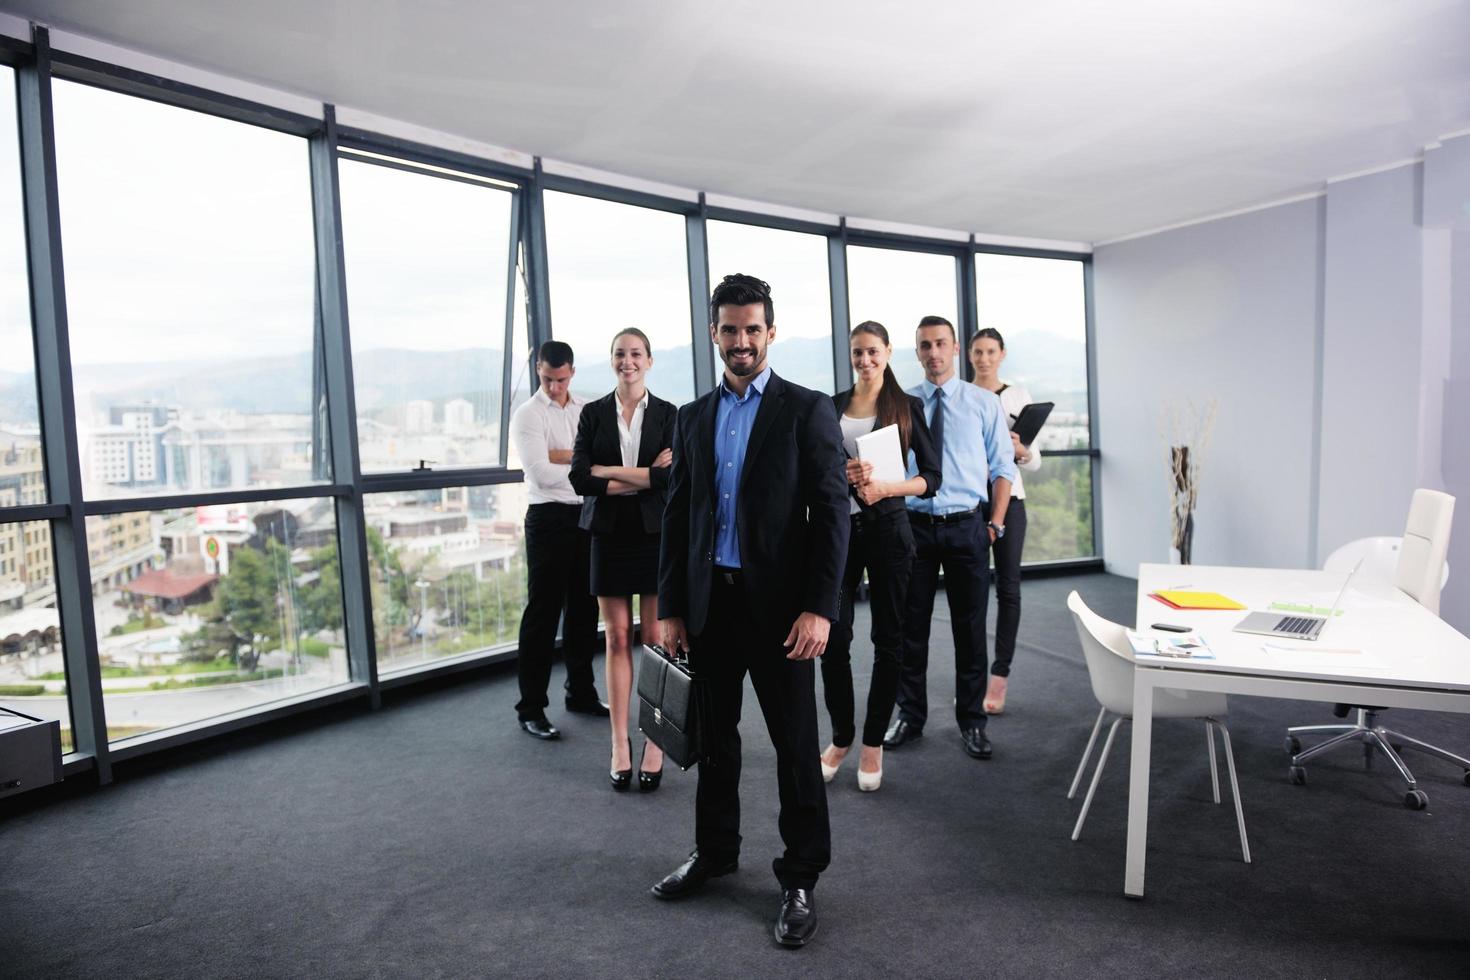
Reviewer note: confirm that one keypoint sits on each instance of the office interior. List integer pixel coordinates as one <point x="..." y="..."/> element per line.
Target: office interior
<point x="1259" y="215"/>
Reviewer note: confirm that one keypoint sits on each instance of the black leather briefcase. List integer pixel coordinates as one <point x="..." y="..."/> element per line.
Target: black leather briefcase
<point x="671" y="705"/>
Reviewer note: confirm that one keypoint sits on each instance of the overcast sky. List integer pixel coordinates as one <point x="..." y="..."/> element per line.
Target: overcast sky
<point x="188" y="237"/>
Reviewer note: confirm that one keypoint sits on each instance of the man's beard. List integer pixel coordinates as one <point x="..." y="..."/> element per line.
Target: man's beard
<point x="743" y="370"/>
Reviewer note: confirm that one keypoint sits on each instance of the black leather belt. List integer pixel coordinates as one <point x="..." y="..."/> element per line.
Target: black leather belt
<point x="730" y="576"/>
<point x="941" y="519"/>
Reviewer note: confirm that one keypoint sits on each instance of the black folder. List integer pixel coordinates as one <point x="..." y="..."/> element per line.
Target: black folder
<point x="1029" y="422"/>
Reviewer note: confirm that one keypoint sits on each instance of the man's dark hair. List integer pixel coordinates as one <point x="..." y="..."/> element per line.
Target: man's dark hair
<point x="939" y="321"/>
<point x="555" y="353"/>
<point x="741" y="290"/>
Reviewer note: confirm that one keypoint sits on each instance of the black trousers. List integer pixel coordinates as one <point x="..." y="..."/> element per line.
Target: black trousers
<point x="884" y="545"/>
<point x="1007" y="552"/>
<point x="557" y="562"/>
<point x="962" y="549"/>
<point x="723" y="654"/>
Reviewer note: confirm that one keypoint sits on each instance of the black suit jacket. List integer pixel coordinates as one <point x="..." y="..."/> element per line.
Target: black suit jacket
<point x="791" y="515"/>
<point x="597" y="444"/>
<point x="926" y="455"/>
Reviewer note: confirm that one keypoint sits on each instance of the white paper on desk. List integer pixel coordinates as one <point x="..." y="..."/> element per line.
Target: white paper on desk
<point x="881" y="447"/>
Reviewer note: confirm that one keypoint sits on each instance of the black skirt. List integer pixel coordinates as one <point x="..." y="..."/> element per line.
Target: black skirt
<point x="625" y="563"/>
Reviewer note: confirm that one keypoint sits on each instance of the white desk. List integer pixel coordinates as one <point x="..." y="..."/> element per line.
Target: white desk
<point x="1384" y="649"/>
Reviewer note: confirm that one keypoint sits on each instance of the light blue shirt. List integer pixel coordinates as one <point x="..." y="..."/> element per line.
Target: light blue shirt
<point x="733" y="422"/>
<point x="977" y="446"/>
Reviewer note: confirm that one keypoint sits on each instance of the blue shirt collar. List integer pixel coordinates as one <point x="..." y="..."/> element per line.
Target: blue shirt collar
<point x="951" y="387"/>
<point x="757" y="384"/>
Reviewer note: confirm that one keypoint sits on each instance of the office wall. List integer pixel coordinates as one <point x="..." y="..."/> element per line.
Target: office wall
<point x="1225" y="310"/>
<point x="1335" y="333"/>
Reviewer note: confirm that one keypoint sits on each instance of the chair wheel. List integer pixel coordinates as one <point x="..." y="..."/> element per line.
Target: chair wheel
<point x="1467" y="777"/>
<point x="1415" y="799"/>
<point x="1297" y="776"/>
<point x="1292" y="745"/>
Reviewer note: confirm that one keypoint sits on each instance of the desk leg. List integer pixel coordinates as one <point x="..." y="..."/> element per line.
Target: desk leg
<point x="1143" y="727"/>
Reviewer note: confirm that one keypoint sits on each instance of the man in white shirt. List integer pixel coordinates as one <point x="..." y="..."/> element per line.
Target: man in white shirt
<point x="557" y="550"/>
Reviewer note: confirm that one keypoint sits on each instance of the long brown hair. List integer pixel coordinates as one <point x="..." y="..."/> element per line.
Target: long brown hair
<point x="893" y="403"/>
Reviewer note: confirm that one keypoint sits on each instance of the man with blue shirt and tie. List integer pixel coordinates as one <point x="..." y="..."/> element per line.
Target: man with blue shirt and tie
<point x="754" y="542"/>
<point x="953" y="530"/>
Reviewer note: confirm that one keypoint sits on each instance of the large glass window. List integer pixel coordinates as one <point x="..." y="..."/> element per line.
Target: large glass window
<point x="205" y="611"/>
<point x="1039" y="307"/>
<point x="898" y="288"/>
<point x="613" y="266"/>
<point x="20" y="429"/>
<point x="427" y="258"/>
<point x="190" y="292"/>
<point x="448" y="571"/>
<point x="32" y="668"/>
<point x="795" y="264"/>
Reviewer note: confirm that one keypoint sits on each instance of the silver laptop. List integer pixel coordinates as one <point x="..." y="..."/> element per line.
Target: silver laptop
<point x="1294" y="626"/>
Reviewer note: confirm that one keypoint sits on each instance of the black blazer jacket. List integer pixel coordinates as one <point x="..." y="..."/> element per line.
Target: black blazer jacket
<point x="791" y="514"/>
<point x="926" y="454"/>
<point x="597" y="444"/>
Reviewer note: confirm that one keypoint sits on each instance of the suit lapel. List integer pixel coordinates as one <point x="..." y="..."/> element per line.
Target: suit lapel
<point x="772" y="404"/>
<point x="704" y="436"/>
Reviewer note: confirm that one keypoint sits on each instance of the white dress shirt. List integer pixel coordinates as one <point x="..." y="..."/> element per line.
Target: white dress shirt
<point x="1013" y="399"/>
<point x="539" y="426"/>
<point x="630" y="435"/>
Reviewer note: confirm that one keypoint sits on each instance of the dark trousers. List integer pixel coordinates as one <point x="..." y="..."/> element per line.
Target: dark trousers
<point x="962" y="549"/>
<point x="723" y="654"/>
<point x="884" y="545"/>
<point x="557" y="561"/>
<point x="1007" y="552"/>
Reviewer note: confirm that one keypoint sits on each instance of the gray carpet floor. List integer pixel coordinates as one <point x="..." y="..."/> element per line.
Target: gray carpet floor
<point x="432" y="839"/>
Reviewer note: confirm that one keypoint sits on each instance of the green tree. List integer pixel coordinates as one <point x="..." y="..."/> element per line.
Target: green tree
<point x="247" y="601"/>
<point x="321" y="602"/>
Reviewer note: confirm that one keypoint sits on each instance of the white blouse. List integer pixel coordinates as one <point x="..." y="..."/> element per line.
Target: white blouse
<point x="851" y="429"/>
<point x="630" y="434"/>
<point x="1012" y="400"/>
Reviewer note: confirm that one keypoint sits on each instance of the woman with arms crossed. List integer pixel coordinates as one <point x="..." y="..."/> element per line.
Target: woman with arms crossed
<point x="881" y="542"/>
<point x="987" y="352"/>
<point x="620" y="465"/>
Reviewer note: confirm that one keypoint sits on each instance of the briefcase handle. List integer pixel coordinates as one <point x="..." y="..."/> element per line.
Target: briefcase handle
<point x="682" y="659"/>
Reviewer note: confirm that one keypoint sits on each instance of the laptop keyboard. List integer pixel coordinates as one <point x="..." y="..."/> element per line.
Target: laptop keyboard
<point x="1299" y="625"/>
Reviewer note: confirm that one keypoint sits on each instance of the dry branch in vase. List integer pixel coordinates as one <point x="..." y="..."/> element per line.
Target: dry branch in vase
<point x="1185" y="429"/>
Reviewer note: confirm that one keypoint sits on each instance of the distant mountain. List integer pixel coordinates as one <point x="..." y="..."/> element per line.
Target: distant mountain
<point x="1052" y="368"/>
<point x="17" y="397"/>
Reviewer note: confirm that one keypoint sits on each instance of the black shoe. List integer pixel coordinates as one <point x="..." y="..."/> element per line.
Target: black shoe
<point x="592" y="705"/>
<point x="540" y="728"/>
<point x="796" y="923"/>
<point x="648" y="781"/>
<point x="691" y="876"/>
<point x="901" y="732"/>
<point x="977" y="746"/>
<point x="622" y="778"/>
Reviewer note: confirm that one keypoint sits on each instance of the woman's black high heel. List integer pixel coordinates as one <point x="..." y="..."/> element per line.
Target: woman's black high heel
<point x="647" y="781"/>
<point x="622" y="778"/>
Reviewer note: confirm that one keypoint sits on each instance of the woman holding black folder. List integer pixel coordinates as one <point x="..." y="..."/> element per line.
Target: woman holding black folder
<point x="881" y="542"/>
<point x="620" y="465"/>
<point x="987" y="353"/>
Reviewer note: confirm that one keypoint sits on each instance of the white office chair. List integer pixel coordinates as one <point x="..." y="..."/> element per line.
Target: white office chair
<point x="1415" y="564"/>
<point x="1110" y="664"/>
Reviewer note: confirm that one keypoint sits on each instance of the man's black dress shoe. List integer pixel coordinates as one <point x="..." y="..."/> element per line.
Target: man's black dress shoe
<point x="977" y="746"/>
<point x="691" y="875"/>
<point x="901" y="732"/>
<point x="796" y="923"/>
<point x="540" y="728"/>
<point x="593" y="706"/>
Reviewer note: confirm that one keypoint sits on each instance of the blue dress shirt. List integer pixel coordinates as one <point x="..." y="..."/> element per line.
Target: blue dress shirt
<point x="733" y="422"/>
<point x="977" y="446"/>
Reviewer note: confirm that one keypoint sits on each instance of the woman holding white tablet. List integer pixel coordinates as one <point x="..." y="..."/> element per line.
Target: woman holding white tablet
<point x="881" y="543"/>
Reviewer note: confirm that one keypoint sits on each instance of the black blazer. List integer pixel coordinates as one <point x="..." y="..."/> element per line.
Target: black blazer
<point x="791" y="513"/>
<point x="597" y="443"/>
<point x="926" y="454"/>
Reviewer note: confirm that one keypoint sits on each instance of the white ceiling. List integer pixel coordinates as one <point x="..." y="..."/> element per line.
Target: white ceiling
<point x="1052" y="119"/>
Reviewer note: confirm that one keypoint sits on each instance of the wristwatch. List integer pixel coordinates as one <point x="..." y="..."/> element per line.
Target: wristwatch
<point x="999" y="529"/>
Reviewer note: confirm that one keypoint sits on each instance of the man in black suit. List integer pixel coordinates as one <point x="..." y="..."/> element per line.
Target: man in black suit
<point x="754" y="541"/>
